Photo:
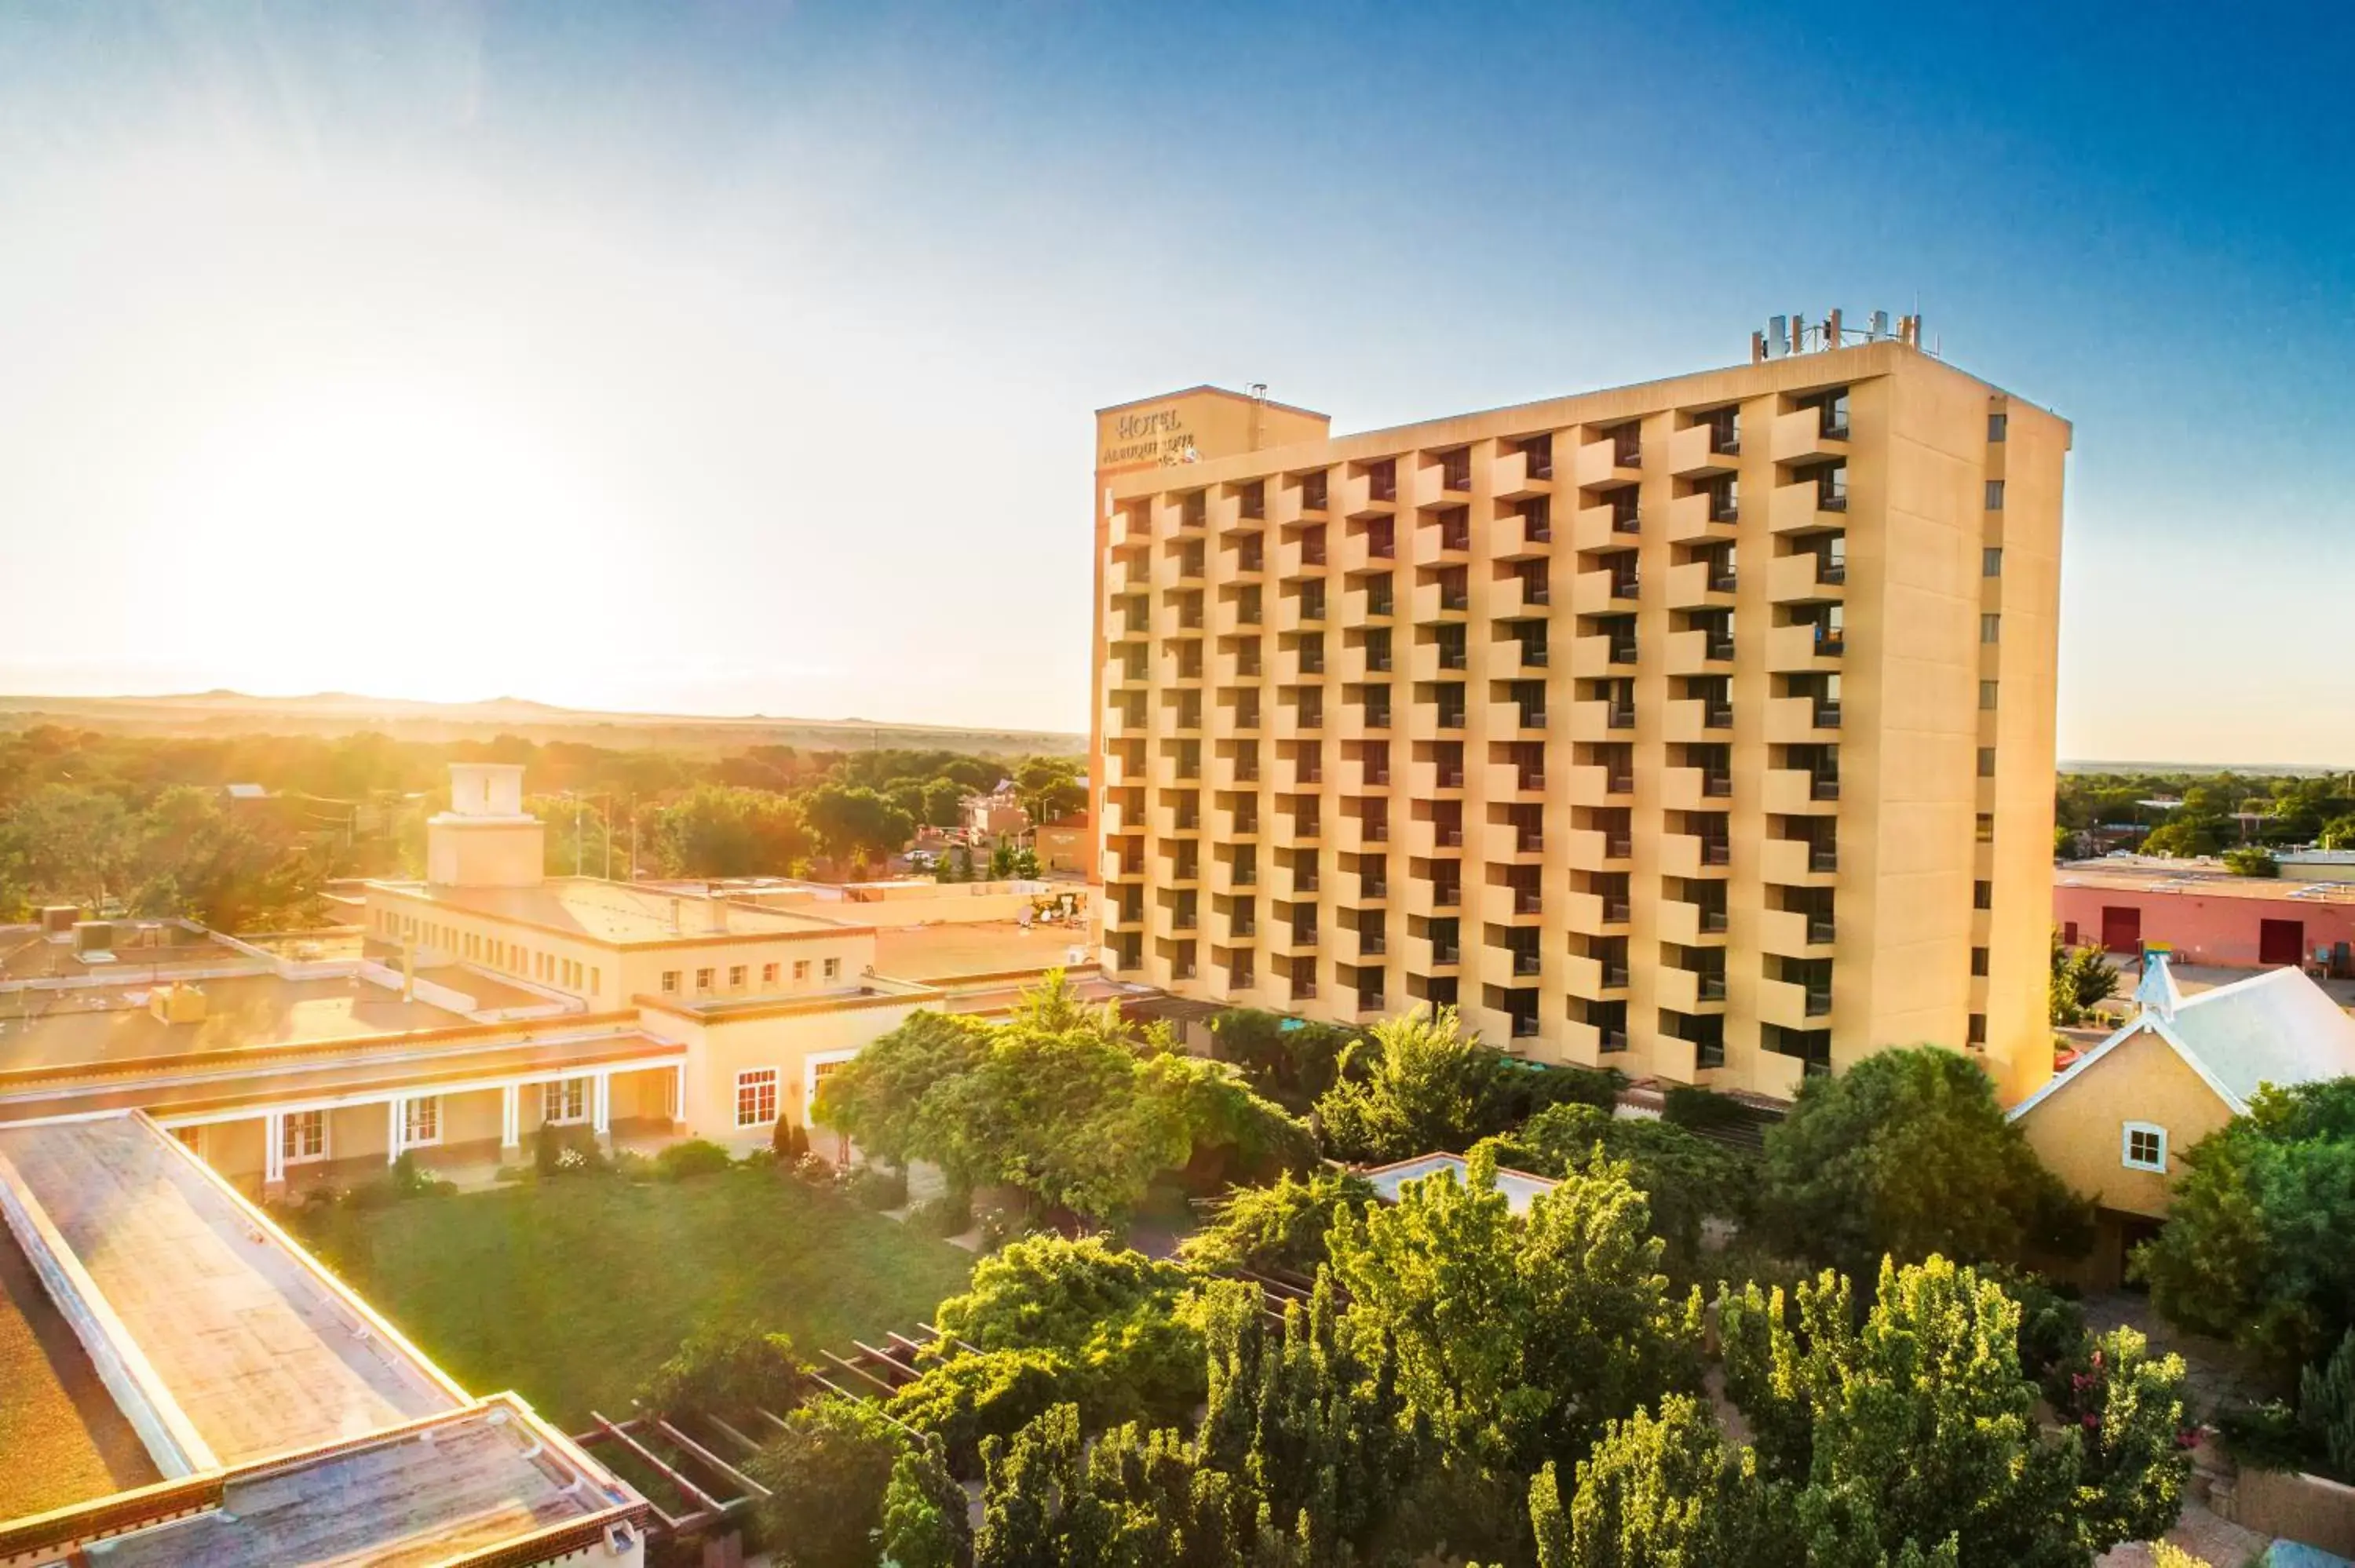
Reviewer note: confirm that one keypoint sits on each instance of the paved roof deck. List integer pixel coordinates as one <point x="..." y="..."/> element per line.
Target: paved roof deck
<point x="259" y="1350"/>
<point x="459" y="1487"/>
<point x="62" y="1439"/>
<point x="54" y="1028"/>
<point x="1520" y="1188"/>
<point x="953" y="949"/>
<point x="615" y="913"/>
<point x="358" y="1077"/>
<point x="25" y="953"/>
<point x="2204" y="882"/>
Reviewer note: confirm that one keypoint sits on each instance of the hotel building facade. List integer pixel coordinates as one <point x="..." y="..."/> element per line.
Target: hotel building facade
<point x="1701" y="728"/>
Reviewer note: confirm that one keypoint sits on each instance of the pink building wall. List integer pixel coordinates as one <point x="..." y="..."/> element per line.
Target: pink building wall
<point x="2204" y="928"/>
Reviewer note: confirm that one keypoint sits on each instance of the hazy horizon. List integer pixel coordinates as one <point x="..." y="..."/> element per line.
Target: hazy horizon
<point x="737" y="359"/>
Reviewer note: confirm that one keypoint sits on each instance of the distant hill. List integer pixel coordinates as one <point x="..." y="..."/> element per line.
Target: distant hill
<point x="222" y="713"/>
<point x="2248" y="769"/>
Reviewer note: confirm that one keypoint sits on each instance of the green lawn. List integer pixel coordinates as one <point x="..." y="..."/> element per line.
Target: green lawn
<point x="571" y="1291"/>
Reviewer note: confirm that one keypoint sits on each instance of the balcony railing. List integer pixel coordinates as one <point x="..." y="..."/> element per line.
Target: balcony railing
<point x="1830" y="642"/>
<point x="1447" y="895"/>
<point x="1717" y="716"/>
<point x="1527" y="963"/>
<point x="1827" y="714"/>
<point x="1614" y="909"/>
<point x="1619" y="783"/>
<point x="1446" y="952"/>
<point x="1823" y="857"/>
<point x="1372" y="946"/>
<point x="1819" y="930"/>
<point x="1452" y="778"/>
<point x="1713" y="919"/>
<point x="1716" y="648"/>
<point x="1819" y="1001"/>
<point x="1303" y="990"/>
<point x="1625" y="584"/>
<point x="1711" y="987"/>
<point x="1618" y="846"/>
<point x="1832" y="572"/>
<point x="1823" y="787"/>
<point x="1622" y="650"/>
<point x="1614" y="1040"/>
<point x="1620" y="715"/>
<point x="1716" y="852"/>
<point x="1717" y="785"/>
<point x="1525" y="1026"/>
<point x="1527" y="901"/>
<point x="1613" y="975"/>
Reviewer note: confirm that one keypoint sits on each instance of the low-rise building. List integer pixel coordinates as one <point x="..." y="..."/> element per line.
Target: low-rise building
<point x="186" y="1385"/>
<point x="2114" y="1126"/>
<point x="2205" y="915"/>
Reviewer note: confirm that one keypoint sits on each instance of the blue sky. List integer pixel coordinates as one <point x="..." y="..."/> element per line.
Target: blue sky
<point x="449" y="351"/>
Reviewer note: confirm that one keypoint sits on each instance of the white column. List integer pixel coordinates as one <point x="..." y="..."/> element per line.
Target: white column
<point x="678" y="1093"/>
<point x="510" y="1116"/>
<point x="600" y="1102"/>
<point x="392" y="1131"/>
<point x="273" y="1146"/>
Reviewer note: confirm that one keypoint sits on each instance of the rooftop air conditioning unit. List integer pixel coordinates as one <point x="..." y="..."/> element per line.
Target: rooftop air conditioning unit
<point x="57" y="921"/>
<point x="93" y="941"/>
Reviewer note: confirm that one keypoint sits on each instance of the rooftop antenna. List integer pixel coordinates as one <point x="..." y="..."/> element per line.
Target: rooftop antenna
<point x="1258" y="401"/>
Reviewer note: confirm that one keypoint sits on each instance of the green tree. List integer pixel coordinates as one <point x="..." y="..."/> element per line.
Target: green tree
<point x="2081" y="980"/>
<point x="1049" y="788"/>
<point x="925" y="1519"/>
<point x="1415" y="1084"/>
<point x="1519" y="1339"/>
<point x="1292" y="1061"/>
<point x="2186" y="837"/>
<point x="2339" y="833"/>
<point x="2247" y="1254"/>
<point x="944" y="803"/>
<point x="878" y="1098"/>
<point x="1277" y="1229"/>
<point x="729" y="1371"/>
<point x="1666" y="1491"/>
<point x="719" y="830"/>
<point x="1686" y="1179"/>
<point x="1912" y="1435"/>
<point x="1869" y="1162"/>
<point x="2252" y="861"/>
<point x="68" y="844"/>
<point x="2326" y="1407"/>
<point x="853" y="823"/>
<point x="826" y="1473"/>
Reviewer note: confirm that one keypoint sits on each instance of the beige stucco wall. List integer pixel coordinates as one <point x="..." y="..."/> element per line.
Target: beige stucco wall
<point x="459" y="853"/>
<point x="2079" y="1132"/>
<point x="785" y="1040"/>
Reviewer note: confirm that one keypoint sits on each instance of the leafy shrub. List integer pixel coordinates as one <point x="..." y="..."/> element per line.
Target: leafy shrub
<point x="1278" y="1229"/>
<point x="2268" y="1436"/>
<point x="974" y="1395"/>
<point x="2326" y="1407"/>
<point x="1292" y="1061"/>
<point x="725" y="1371"/>
<point x="1697" y="1109"/>
<point x="567" y="1150"/>
<point x="826" y="1474"/>
<point x="950" y="1214"/>
<point x="873" y="1186"/>
<point x="787" y="1140"/>
<point x="1686" y="1178"/>
<point x="405" y="1179"/>
<point x="696" y="1157"/>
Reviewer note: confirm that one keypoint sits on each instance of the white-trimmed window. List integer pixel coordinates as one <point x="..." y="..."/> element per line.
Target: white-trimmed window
<point x="756" y="1096"/>
<point x="702" y="981"/>
<point x="564" y="1101"/>
<point x="2143" y="1147"/>
<point x="670" y="982"/>
<point x="735" y="976"/>
<point x="768" y="974"/>
<point x="303" y="1135"/>
<point x="800" y="971"/>
<point x="420" y="1122"/>
<point x="834" y="969"/>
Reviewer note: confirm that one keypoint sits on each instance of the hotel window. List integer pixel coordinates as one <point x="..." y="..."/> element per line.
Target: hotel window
<point x="1987" y="696"/>
<point x="670" y="982"/>
<point x="834" y="969"/>
<point x="302" y="1135"/>
<point x="1991" y="561"/>
<point x="768" y="974"/>
<point x="735" y="976"/>
<point x="595" y="978"/>
<point x="2144" y="1147"/>
<point x="702" y="980"/>
<point x="1977" y="1034"/>
<point x="800" y="971"/>
<point x="420" y="1122"/>
<point x="1995" y="423"/>
<point x="1987" y="827"/>
<point x="1995" y="495"/>
<point x="1979" y="963"/>
<point x="1982" y="895"/>
<point x="564" y="1101"/>
<point x="756" y="1096"/>
<point x="1986" y="762"/>
<point x="1991" y="628"/>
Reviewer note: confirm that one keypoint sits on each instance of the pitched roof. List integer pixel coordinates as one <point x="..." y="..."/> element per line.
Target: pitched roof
<point x="2277" y="1027"/>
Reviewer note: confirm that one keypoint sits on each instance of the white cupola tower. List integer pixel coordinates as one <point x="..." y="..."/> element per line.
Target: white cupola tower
<point x="485" y="839"/>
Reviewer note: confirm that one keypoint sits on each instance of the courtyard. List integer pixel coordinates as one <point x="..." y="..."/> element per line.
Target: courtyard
<point x="569" y="1291"/>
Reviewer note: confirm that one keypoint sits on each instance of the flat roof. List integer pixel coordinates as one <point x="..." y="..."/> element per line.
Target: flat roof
<point x="479" y="1480"/>
<point x="2200" y="883"/>
<point x="26" y="954"/>
<point x="55" y="1028"/>
<point x="1520" y="1188"/>
<point x="63" y="1439"/>
<point x="618" y="913"/>
<point x="947" y="950"/>
<point x="243" y="1332"/>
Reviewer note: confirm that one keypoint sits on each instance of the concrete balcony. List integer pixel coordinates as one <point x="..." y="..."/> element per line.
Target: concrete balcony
<point x="1428" y="779"/>
<point x="1591" y="979"/>
<point x="1287" y="940"/>
<point x="1688" y="854"/>
<point x="1126" y="573"/>
<point x="1119" y="919"/>
<point x="1798" y="721"/>
<point x="1688" y="991"/>
<point x="1600" y="593"/>
<point x="1799" y="435"/>
<point x="1122" y="720"/>
<point x="1598" y="464"/>
<point x="1502" y="905"/>
<point x="1696" y="585"/>
<point x="1352" y="721"/>
<point x="1426" y="484"/>
<point x="1425" y="957"/>
<point x="1437" y="601"/>
<point x="1585" y="1045"/>
<point x="1690" y="790"/>
<point x="1517" y="721"/>
<point x="1357" y="666"/>
<point x="1700" y="652"/>
<point x="1793" y="1006"/>
<point x="1694" y="519"/>
<point x="1227" y="824"/>
<point x="1292" y="613"/>
<point x="1693" y="720"/>
<point x="1592" y="785"/>
<point x="1794" y="863"/>
<point x="1692" y="453"/>
<point x="1117" y="867"/>
<point x="1591" y="914"/>
<point x="1424" y="664"/>
<point x="1356" y="496"/>
<point x="1503" y="967"/>
<point x="1504" y="845"/>
<point x="1800" y="649"/>
<point x="1598" y="528"/>
<point x="1591" y="848"/>
<point x="1593" y="720"/>
<point x="1790" y="793"/>
<point x="1510" y="479"/>
<point x="1229" y="620"/>
<point x="1226" y="876"/>
<point x="1291" y="724"/>
<point x="1798" y="579"/>
<point x="1790" y="935"/>
<point x="1690" y="926"/>
<point x="1506" y="782"/>
<point x="1800" y="509"/>
<point x="1356" y="835"/>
